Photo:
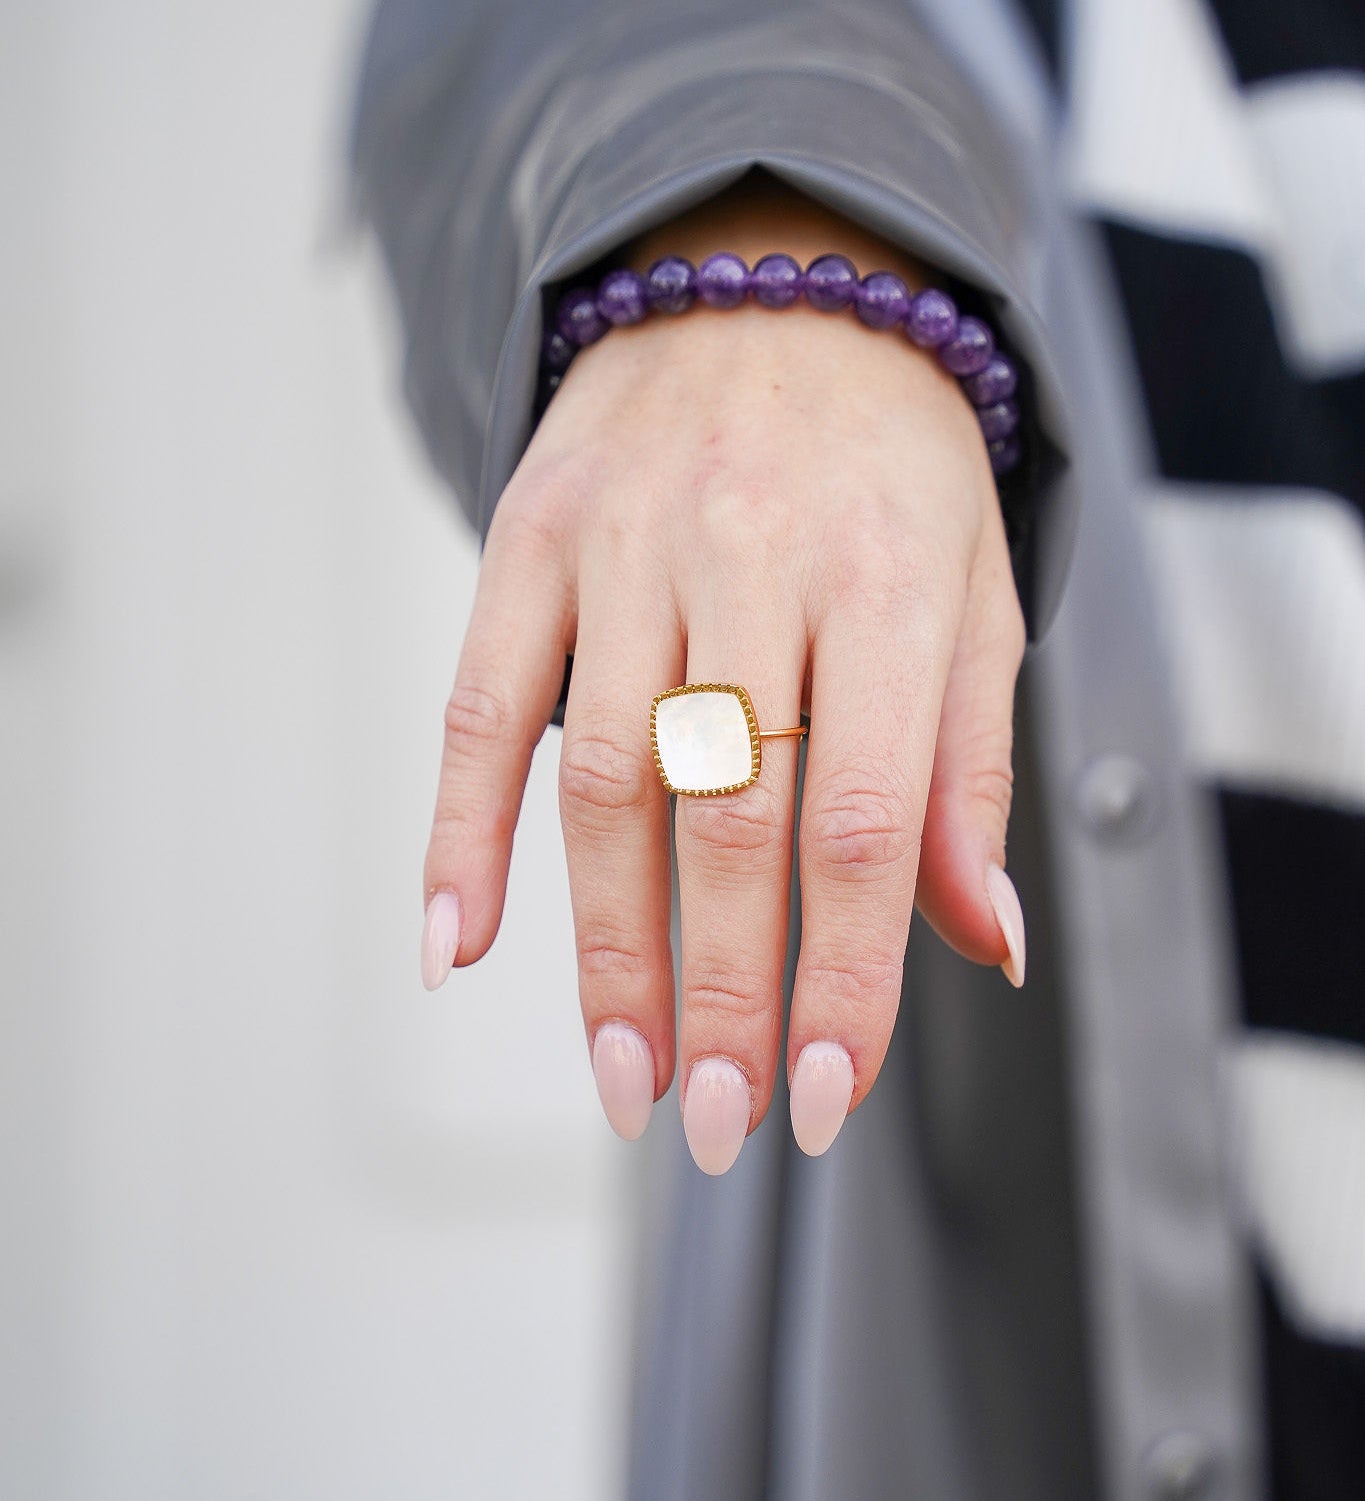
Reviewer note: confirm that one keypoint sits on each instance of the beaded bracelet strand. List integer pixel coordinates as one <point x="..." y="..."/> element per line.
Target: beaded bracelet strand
<point x="964" y="345"/>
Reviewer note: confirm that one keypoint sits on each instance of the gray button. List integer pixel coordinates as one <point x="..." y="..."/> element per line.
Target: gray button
<point x="1116" y="797"/>
<point x="1181" y="1466"/>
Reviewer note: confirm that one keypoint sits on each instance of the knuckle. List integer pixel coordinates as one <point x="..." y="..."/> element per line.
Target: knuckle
<point x="754" y="826"/>
<point x="742" y="515"/>
<point x="868" y="562"/>
<point x="452" y="826"/>
<point x="858" y="830"/>
<point x="538" y="532"/>
<point x="1004" y="627"/>
<point x="476" y="719"/>
<point x="888" y="557"/>
<point x="538" y="511"/>
<point x="730" y="995"/>
<point x="993" y="787"/>
<point x="603" y="951"/>
<point x="878" y="548"/>
<point x="856" y="984"/>
<point x="460" y="824"/>
<point x="599" y="772"/>
<point x="624" y="530"/>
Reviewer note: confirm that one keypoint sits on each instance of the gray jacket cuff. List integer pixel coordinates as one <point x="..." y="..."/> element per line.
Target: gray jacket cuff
<point x="495" y="167"/>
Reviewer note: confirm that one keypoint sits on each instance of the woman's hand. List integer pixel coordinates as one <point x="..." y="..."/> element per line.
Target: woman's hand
<point x="792" y="502"/>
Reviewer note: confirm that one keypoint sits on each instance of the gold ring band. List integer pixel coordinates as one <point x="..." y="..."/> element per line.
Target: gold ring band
<point x="706" y="740"/>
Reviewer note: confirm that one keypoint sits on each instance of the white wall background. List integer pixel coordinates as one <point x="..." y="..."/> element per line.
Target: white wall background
<point x="275" y="1222"/>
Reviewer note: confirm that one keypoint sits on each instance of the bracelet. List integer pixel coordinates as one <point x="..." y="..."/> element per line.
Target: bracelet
<point x="965" y="345"/>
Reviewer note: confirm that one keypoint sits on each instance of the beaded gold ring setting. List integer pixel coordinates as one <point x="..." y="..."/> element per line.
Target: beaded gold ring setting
<point x="706" y="739"/>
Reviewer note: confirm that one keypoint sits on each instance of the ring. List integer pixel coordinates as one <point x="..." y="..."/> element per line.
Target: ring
<point x="706" y="740"/>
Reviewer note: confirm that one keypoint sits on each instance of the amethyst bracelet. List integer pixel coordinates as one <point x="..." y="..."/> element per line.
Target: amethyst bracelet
<point x="964" y="345"/>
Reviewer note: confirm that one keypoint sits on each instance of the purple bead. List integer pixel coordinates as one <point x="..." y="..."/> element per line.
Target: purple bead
<point x="932" y="319"/>
<point x="882" y="299"/>
<point x="997" y="382"/>
<point x="831" y="282"/>
<point x="672" y="284"/>
<point x="1004" y="453"/>
<point x="577" y="317"/>
<point x="555" y="351"/>
<point x="622" y="297"/>
<point x="998" y="421"/>
<point x="722" y="280"/>
<point x="971" y="351"/>
<point x="776" y="280"/>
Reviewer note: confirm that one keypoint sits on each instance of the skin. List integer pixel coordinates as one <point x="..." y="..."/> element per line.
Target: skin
<point x="793" y="502"/>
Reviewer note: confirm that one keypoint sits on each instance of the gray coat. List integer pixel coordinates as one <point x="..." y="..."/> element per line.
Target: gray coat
<point x="1016" y="1275"/>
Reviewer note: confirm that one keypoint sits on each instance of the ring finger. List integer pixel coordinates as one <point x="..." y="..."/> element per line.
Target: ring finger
<point x="734" y="855"/>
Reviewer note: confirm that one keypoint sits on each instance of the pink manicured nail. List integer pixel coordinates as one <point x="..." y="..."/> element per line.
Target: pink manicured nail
<point x="1010" y="915"/>
<point x="623" y="1065"/>
<point x="440" y="938"/>
<point x="716" y="1114"/>
<point x="822" y="1086"/>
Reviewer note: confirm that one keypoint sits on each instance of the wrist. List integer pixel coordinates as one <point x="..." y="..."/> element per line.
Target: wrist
<point x="761" y="213"/>
<point x="740" y="273"/>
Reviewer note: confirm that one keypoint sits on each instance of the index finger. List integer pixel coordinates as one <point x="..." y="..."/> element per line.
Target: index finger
<point x="507" y="682"/>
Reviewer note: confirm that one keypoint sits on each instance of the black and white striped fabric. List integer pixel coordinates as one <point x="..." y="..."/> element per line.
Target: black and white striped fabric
<point x="1220" y="147"/>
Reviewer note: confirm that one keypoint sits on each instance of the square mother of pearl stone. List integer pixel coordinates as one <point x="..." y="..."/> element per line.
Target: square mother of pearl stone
<point x="705" y="739"/>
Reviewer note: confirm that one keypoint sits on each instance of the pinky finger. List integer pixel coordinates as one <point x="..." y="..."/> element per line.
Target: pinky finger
<point x="963" y="889"/>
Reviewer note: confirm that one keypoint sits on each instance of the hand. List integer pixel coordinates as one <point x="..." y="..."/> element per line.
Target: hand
<point x="792" y="502"/>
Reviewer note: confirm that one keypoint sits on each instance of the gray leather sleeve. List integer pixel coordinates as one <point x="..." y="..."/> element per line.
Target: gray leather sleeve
<point x="500" y="146"/>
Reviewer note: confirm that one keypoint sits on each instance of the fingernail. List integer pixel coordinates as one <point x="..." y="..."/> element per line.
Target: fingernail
<point x="623" y="1065"/>
<point x="440" y="938"/>
<point x="1010" y="915"/>
<point x="821" y="1087"/>
<point x="716" y="1114"/>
